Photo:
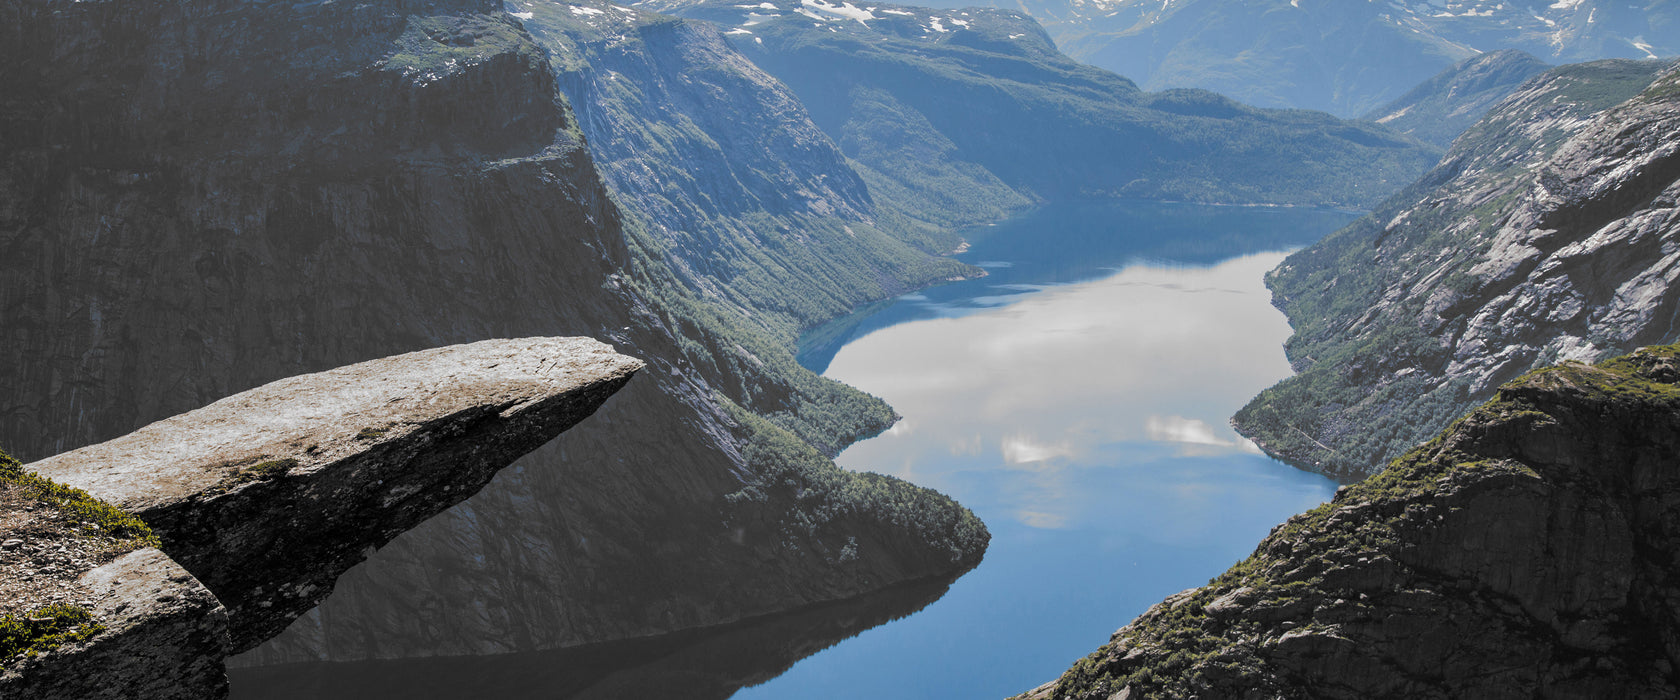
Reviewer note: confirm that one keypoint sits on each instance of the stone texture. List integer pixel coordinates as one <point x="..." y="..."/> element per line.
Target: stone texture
<point x="268" y="495"/>
<point x="1528" y="552"/>
<point x="165" y="637"/>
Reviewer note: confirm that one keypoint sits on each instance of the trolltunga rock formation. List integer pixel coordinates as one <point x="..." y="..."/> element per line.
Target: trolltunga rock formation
<point x="269" y="495"/>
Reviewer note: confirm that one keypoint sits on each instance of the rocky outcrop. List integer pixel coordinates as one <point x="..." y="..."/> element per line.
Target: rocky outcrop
<point x="1529" y="551"/>
<point x="264" y="498"/>
<point x="1442" y="107"/>
<point x="940" y="105"/>
<point x="320" y="184"/>
<point x="161" y="634"/>
<point x="1549" y="232"/>
<point x="267" y="496"/>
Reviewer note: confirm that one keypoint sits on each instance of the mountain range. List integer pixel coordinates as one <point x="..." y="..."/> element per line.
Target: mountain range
<point x="1343" y="57"/>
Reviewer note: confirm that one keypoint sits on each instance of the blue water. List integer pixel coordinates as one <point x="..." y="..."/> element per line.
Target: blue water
<point x="1075" y="398"/>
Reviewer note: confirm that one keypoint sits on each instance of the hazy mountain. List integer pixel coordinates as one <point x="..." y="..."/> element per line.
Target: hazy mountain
<point x="927" y="101"/>
<point x="1343" y="57"/>
<point x="1444" y="106"/>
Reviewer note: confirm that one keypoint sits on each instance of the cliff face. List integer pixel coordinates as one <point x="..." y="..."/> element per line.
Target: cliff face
<point x="720" y="170"/>
<point x="1442" y="107"/>
<point x="1527" y="552"/>
<point x="1547" y="233"/>
<point x="712" y="152"/>
<point x="201" y="198"/>
<point x="931" y="102"/>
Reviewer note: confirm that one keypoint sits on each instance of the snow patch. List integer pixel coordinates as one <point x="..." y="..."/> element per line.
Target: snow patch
<point x="576" y="10"/>
<point x="845" y="10"/>
<point x="522" y="15"/>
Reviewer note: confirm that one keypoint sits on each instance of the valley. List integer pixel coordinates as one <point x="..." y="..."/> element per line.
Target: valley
<point x="934" y="317"/>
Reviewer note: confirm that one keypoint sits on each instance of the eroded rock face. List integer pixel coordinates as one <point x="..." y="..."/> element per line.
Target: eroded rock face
<point x="268" y="495"/>
<point x="1550" y="232"/>
<point x="1530" y="551"/>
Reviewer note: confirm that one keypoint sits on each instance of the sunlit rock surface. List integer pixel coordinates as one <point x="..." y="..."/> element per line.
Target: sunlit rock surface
<point x="268" y="495"/>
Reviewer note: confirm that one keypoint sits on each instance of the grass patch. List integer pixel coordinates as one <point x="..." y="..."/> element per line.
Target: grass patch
<point x="46" y="628"/>
<point x="78" y="505"/>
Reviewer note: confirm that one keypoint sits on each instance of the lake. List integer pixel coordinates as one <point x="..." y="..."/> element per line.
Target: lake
<point x="1076" y="398"/>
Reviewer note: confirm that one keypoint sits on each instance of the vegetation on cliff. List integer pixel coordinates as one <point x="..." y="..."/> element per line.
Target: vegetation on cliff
<point x="79" y="508"/>
<point x="829" y="501"/>
<point x="44" y="629"/>
<point x="39" y="514"/>
<point x="1524" y="552"/>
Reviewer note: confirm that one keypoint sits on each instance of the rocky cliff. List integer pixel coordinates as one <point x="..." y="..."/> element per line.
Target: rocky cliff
<point x="720" y="168"/>
<point x="1442" y="107"/>
<point x="1549" y="232"/>
<point x="258" y="502"/>
<point x="937" y="105"/>
<point x="205" y="197"/>
<point x="1527" y="552"/>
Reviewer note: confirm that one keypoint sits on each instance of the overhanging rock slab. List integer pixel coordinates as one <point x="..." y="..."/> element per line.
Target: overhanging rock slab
<point x="269" y="495"/>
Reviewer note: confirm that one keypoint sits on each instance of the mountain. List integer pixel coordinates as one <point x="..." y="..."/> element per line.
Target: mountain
<point x="1526" y="552"/>
<point x="1442" y="107"/>
<point x="1342" y="57"/>
<point x="925" y="101"/>
<point x="1548" y="233"/>
<point x="195" y="200"/>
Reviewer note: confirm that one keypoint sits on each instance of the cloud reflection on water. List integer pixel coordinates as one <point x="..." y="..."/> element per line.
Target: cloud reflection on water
<point x="1110" y="374"/>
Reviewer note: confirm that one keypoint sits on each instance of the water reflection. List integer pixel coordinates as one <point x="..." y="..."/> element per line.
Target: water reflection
<point x="1150" y="361"/>
<point x="709" y="664"/>
<point x="1071" y="243"/>
<point x="1077" y="399"/>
